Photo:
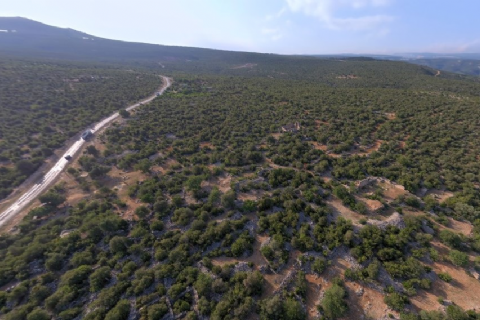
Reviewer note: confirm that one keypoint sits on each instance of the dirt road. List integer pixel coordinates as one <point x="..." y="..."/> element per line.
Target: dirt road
<point x="44" y="182"/>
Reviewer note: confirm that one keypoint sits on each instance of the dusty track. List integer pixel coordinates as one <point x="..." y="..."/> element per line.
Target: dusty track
<point x="46" y="180"/>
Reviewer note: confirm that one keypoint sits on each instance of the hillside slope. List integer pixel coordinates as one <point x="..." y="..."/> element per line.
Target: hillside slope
<point x="462" y="66"/>
<point x="30" y="38"/>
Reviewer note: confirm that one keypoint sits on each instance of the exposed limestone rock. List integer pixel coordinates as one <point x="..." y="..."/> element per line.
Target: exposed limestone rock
<point x="395" y="220"/>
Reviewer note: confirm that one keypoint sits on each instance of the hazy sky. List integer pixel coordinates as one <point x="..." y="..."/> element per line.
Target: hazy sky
<point x="280" y="26"/>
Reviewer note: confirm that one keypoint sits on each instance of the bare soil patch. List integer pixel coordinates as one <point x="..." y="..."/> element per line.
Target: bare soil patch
<point x="256" y="257"/>
<point x="314" y="287"/>
<point x="249" y="175"/>
<point x="456" y="226"/>
<point x="319" y="123"/>
<point x="403" y="143"/>
<point x="372" y="205"/>
<point x="7" y="165"/>
<point x="364" y="301"/>
<point x="389" y="189"/>
<point x="360" y="151"/>
<point x="334" y="155"/>
<point x="251" y="195"/>
<point x="275" y="279"/>
<point x="117" y="176"/>
<point x="391" y="115"/>
<point x="440" y="195"/>
<point x="347" y="76"/>
<point x="339" y="209"/>
<point x="262" y="147"/>
<point x="463" y="290"/>
<point x="120" y="180"/>
<point x="189" y="198"/>
<point x="392" y="191"/>
<point x="74" y="193"/>
<point x="367" y="151"/>
<point x="273" y="165"/>
<point x="460" y="226"/>
<point x="318" y="146"/>
<point x="246" y="65"/>
<point x="207" y="145"/>
<point x="166" y="166"/>
<point x="223" y="183"/>
<point x="327" y="176"/>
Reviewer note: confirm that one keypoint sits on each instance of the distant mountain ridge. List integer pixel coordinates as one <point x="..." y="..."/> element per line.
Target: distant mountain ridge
<point x="25" y="37"/>
<point x="432" y="55"/>
<point x="408" y="56"/>
<point x="463" y="63"/>
<point x="22" y="26"/>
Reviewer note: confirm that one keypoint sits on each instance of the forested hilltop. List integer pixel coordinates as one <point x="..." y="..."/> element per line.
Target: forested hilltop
<point x="462" y="66"/>
<point x="43" y="103"/>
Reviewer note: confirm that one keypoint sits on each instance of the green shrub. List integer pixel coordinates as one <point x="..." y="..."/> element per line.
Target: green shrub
<point x="445" y="276"/>
<point x="99" y="278"/>
<point x="118" y="245"/>
<point x="157" y="225"/>
<point x="450" y="238"/>
<point x="38" y="314"/>
<point x="458" y="258"/>
<point x="121" y="311"/>
<point x="333" y="304"/>
<point x="319" y="265"/>
<point x="157" y="311"/>
<point x="396" y="301"/>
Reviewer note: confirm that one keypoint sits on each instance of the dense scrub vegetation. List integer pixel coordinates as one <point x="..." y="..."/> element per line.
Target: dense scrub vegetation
<point x="431" y="141"/>
<point x="42" y="104"/>
<point x="197" y="250"/>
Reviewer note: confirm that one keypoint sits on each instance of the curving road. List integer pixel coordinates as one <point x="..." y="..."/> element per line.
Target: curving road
<point x="51" y="175"/>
